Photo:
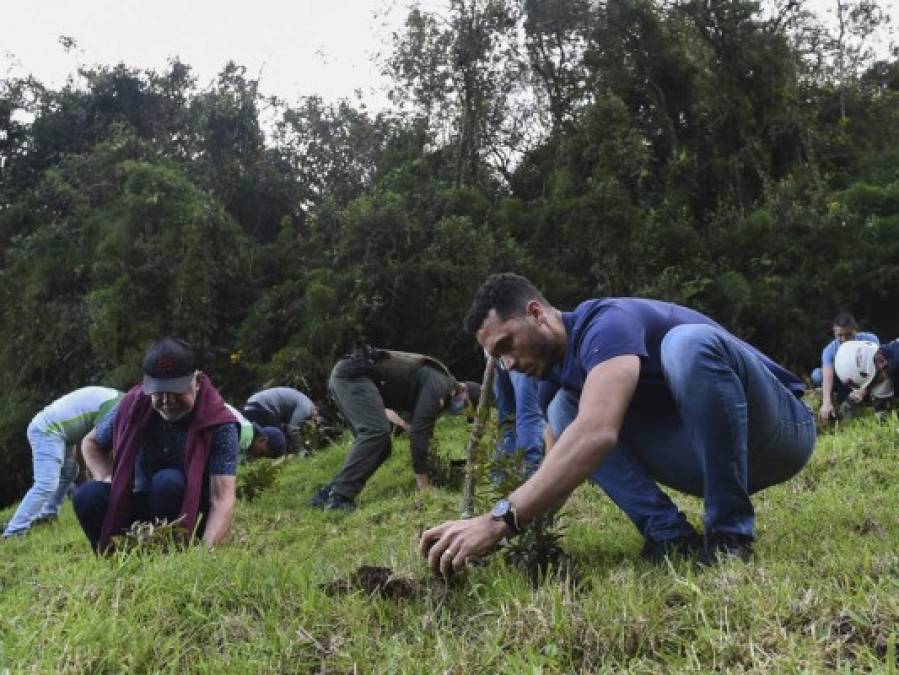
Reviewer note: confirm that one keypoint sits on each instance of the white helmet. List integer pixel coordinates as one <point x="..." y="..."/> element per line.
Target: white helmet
<point x="854" y="363"/>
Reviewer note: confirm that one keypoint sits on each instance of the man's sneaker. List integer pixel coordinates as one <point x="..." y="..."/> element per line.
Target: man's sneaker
<point x="338" y="502"/>
<point x="722" y="546"/>
<point x="47" y="519"/>
<point x="687" y="545"/>
<point x="321" y="497"/>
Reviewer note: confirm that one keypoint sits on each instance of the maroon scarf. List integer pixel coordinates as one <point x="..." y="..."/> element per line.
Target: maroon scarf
<point x="132" y="418"/>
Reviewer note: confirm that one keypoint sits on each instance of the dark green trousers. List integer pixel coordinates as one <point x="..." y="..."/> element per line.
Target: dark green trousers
<point x="362" y="407"/>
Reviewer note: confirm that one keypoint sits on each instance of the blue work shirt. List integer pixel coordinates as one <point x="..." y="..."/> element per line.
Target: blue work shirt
<point x="602" y="329"/>
<point x="829" y="353"/>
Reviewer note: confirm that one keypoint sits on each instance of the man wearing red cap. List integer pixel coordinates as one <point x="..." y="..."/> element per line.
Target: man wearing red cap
<point x="169" y="451"/>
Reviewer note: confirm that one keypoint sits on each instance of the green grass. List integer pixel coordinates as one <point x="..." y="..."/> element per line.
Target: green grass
<point x="821" y="594"/>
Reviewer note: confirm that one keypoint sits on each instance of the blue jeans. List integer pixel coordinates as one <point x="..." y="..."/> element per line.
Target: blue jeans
<point x="519" y="417"/>
<point x="163" y="501"/>
<point x="732" y="430"/>
<point x="54" y="471"/>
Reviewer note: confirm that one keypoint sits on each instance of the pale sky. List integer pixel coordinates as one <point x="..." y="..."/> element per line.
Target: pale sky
<point x="294" y="47"/>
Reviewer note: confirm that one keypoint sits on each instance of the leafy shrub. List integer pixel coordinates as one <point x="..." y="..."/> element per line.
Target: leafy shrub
<point x="255" y="477"/>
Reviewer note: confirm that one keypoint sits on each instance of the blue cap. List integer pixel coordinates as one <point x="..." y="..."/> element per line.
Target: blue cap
<point x="276" y="440"/>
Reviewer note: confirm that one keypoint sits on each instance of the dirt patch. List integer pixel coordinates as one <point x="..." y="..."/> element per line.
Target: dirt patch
<point x="383" y="582"/>
<point x="871" y="526"/>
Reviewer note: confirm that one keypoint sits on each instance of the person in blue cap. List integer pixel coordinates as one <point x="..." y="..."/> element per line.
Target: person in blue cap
<point x="257" y="441"/>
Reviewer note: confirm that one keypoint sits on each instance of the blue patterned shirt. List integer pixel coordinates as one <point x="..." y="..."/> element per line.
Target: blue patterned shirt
<point x="165" y="444"/>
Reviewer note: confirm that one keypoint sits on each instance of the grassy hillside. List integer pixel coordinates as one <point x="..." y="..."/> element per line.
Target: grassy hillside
<point x="822" y="592"/>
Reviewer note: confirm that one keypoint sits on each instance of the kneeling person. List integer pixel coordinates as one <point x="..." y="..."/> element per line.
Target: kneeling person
<point x="869" y="371"/>
<point x="169" y="450"/>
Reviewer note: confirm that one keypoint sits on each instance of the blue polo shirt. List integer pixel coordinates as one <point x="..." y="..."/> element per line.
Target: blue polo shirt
<point x="829" y="353"/>
<point x="601" y="329"/>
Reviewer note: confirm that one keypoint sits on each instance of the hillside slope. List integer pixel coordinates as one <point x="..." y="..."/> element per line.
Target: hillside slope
<point x="822" y="592"/>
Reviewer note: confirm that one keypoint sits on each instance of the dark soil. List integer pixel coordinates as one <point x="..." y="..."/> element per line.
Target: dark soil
<point x="382" y="581"/>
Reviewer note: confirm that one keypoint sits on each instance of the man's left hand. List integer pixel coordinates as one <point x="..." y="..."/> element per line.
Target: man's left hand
<point x="449" y="546"/>
<point x="857" y="395"/>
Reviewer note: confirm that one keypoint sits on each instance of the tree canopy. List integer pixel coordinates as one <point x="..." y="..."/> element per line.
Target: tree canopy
<point x="737" y="157"/>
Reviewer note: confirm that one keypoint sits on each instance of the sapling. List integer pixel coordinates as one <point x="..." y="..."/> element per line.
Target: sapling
<point x="482" y="414"/>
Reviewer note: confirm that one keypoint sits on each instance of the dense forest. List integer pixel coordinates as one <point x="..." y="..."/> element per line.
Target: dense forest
<point x="737" y="157"/>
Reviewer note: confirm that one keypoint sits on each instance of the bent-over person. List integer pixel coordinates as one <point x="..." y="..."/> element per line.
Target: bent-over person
<point x="365" y="383"/>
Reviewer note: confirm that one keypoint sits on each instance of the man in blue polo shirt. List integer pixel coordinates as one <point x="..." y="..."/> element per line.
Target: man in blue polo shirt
<point x="688" y="404"/>
<point x="845" y="328"/>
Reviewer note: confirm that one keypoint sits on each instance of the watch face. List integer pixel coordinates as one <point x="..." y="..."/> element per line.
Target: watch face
<point x="501" y="508"/>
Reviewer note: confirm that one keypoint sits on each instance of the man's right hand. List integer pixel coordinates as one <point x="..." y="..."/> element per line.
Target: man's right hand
<point x="826" y="412"/>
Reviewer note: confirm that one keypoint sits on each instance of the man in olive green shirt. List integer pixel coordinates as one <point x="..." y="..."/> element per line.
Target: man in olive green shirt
<point x="364" y="384"/>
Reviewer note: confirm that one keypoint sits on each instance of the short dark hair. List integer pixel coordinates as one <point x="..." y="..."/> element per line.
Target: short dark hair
<point x="507" y="293"/>
<point x="845" y="320"/>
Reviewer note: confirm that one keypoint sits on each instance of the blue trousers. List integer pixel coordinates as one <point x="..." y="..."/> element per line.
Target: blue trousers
<point x="162" y="500"/>
<point x="519" y="416"/>
<point x="732" y="430"/>
<point x="55" y="468"/>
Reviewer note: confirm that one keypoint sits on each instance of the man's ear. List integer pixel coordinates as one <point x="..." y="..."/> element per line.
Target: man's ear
<point x="535" y="311"/>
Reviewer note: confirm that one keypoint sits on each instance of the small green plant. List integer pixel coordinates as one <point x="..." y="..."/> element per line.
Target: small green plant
<point x="539" y="547"/>
<point x="313" y="437"/>
<point x="257" y="476"/>
<point x="445" y="471"/>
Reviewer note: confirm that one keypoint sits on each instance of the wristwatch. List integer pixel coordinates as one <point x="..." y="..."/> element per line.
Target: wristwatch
<point x="504" y="511"/>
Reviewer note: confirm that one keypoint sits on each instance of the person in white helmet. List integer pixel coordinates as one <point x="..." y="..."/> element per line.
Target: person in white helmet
<point x="871" y="371"/>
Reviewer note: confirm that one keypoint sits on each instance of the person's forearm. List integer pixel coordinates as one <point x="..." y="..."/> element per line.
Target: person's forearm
<point x="96" y="459"/>
<point x="574" y="457"/>
<point x="394" y="418"/>
<point x="221" y="512"/>
<point x="826" y="383"/>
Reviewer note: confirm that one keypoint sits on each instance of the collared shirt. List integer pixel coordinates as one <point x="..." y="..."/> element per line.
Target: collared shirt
<point x="72" y="416"/>
<point x="829" y="353"/>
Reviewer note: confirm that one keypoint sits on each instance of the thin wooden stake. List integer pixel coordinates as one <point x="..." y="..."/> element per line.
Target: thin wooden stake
<point x="480" y="423"/>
